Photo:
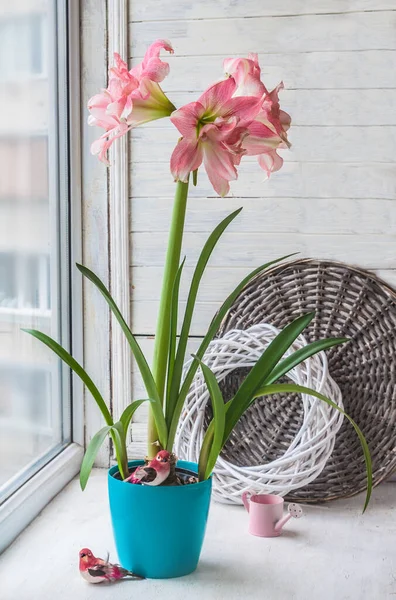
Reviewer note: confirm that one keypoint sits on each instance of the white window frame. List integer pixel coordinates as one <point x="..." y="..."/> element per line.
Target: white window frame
<point x="119" y="228"/>
<point x="28" y="501"/>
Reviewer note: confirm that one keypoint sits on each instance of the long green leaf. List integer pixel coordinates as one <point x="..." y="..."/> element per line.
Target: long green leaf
<point x="130" y="410"/>
<point x="263" y="367"/>
<point x="90" y="454"/>
<point x="172" y="339"/>
<point x="137" y="352"/>
<point x="208" y="458"/>
<point x="118" y="436"/>
<point x="192" y="296"/>
<point x="294" y="388"/>
<point x="205" y="450"/>
<point x="213" y="327"/>
<point x="76" y="367"/>
<point x="300" y="355"/>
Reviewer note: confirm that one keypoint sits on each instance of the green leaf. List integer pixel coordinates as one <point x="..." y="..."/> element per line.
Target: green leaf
<point x="130" y="410"/>
<point x="263" y="367"/>
<point x="172" y="338"/>
<point x="205" y="450"/>
<point x="213" y="328"/>
<point x="294" y="388"/>
<point x="90" y="454"/>
<point x="302" y="354"/>
<point x="195" y="177"/>
<point x="192" y="296"/>
<point x="137" y="352"/>
<point x="76" y="367"/>
<point x="207" y="459"/>
<point x="118" y="436"/>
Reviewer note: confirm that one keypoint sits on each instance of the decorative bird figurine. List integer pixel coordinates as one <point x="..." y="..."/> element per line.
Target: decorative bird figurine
<point x="97" y="570"/>
<point x="155" y="473"/>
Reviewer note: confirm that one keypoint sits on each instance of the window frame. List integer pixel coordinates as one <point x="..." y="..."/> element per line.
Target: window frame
<point x="30" y="498"/>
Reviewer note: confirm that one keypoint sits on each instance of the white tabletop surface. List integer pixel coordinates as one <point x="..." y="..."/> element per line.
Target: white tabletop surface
<point x="332" y="553"/>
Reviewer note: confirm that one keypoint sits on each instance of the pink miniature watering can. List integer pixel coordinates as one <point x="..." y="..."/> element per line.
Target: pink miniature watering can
<point x="266" y="513"/>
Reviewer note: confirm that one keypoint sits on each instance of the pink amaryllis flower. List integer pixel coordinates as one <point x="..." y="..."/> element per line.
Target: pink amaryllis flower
<point x="267" y="132"/>
<point x="132" y="97"/>
<point x="213" y="130"/>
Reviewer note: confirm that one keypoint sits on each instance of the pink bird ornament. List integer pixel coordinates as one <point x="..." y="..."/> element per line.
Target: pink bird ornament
<point x="97" y="570"/>
<point x="155" y="473"/>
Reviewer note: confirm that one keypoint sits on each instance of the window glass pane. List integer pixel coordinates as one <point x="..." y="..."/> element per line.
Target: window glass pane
<point x="34" y="420"/>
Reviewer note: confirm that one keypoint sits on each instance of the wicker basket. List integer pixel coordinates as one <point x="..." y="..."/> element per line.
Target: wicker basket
<point x="303" y="456"/>
<point x="348" y="302"/>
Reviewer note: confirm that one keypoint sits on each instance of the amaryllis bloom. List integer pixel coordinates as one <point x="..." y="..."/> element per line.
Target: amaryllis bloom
<point x="131" y="98"/>
<point x="213" y="130"/>
<point x="268" y="130"/>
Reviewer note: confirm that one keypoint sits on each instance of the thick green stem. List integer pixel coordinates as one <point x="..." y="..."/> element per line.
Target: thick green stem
<point x="161" y="345"/>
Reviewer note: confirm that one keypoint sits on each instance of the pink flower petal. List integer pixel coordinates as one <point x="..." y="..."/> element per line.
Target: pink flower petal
<point x="219" y="166"/>
<point x="153" y="51"/>
<point x="246" y="108"/>
<point x="216" y="95"/>
<point x="270" y="162"/>
<point x="246" y="72"/>
<point x="186" y="157"/>
<point x="278" y="119"/>
<point x="260" y="139"/>
<point x="97" y="106"/>
<point x="152" y="66"/>
<point x="156" y="70"/>
<point x="100" y="146"/>
<point x="187" y="117"/>
<point x="220" y="129"/>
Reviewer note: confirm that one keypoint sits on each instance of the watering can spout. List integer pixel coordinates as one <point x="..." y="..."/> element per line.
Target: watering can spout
<point x="293" y="510"/>
<point x="279" y="525"/>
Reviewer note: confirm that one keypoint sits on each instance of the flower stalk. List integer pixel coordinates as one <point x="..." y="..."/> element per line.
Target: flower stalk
<point x="161" y="344"/>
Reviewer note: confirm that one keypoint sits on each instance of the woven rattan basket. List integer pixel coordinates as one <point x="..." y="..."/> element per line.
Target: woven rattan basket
<point x="348" y="302"/>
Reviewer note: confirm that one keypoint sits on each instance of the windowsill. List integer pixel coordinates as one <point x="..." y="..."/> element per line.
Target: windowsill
<point x="29" y="500"/>
<point x="332" y="552"/>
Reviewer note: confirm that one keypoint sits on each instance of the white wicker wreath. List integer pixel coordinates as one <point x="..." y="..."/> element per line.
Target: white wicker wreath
<point x="308" y="453"/>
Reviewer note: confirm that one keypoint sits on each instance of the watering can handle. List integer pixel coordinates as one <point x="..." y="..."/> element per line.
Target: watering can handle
<point x="246" y="499"/>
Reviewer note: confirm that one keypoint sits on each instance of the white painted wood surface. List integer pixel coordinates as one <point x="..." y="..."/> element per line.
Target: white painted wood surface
<point x="95" y="223"/>
<point x="152" y="10"/>
<point x="121" y="377"/>
<point x="335" y="196"/>
<point x="229" y="35"/>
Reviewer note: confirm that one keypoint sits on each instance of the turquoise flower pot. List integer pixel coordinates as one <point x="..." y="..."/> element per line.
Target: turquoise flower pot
<point x="159" y="531"/>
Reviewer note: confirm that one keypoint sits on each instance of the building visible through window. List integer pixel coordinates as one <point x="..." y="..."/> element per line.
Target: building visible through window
<point x="22" y="45"/>
<point x="32" y="419"/>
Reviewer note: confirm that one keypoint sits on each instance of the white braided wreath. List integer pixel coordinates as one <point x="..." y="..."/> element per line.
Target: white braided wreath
<point x="308" y="453"/>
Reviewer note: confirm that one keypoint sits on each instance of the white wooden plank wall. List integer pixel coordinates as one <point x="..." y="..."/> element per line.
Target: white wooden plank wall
<point x="95" y="217"/>
<point x="335" y="196"/>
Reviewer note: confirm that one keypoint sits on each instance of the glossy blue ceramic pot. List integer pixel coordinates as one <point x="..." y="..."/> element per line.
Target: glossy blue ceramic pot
<point x="159" y="531"/>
